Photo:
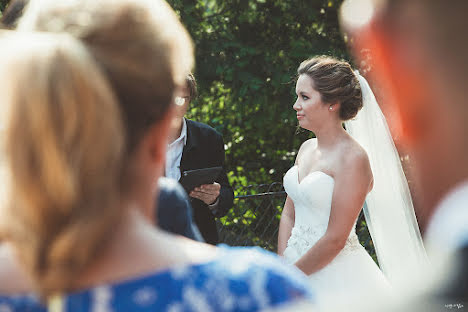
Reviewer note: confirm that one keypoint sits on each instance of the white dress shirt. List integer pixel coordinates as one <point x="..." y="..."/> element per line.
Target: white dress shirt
<point x="174" y="154"/>
<point x="448" y="228"/>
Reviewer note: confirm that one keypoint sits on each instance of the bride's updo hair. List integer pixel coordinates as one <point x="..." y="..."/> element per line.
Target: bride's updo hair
<point x="336" y="82"/>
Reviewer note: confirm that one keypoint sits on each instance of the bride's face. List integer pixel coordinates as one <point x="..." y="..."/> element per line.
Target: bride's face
<point x="311" y="111"/>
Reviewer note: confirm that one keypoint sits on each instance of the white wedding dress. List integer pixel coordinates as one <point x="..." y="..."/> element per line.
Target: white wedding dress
<point x="352" y="273"/>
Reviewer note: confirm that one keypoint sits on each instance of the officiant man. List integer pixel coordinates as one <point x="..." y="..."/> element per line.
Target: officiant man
<point x="195" y="145"/>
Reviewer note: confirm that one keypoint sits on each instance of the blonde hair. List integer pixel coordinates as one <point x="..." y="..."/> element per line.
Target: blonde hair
<point x="77" y="110"/>
<point x="141" y="46"/>
<point x="63" y="167"/>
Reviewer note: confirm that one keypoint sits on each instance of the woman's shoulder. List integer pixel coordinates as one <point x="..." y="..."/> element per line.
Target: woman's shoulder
<point x="257" y="267"/>
<point x="241" y="261"/>
<point x="353" y="152"/>
<point x="309" y="144"/>
<point x="237" y="279"/>
<point x="14" y="294"/>
<point x="353" y="158"/>
<point x="11" y="271"/>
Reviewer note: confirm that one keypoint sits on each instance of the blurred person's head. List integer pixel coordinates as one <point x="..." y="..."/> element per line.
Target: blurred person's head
<point x="327" y="91"/>
<point x="184" y="96"/>
<point x="418" y="54"/>
<point x="89" y="110"/>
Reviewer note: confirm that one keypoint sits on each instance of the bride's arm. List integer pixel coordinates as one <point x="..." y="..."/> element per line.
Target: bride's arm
<point x="286" y="225"/>
<point x="352" y="183"/>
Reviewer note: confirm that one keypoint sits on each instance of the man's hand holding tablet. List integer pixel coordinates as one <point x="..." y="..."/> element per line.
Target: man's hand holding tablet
<point x="200" y="184"/>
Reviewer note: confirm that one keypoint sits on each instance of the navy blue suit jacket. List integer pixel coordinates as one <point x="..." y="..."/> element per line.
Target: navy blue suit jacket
<point x="205" y="149"/>
<point x="174" y="210"/>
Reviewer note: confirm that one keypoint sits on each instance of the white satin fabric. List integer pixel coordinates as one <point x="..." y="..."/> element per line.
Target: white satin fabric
<point x="352" y="272"/>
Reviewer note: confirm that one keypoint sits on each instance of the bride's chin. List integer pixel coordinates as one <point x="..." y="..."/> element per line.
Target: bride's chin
<point x="304" y="126"/>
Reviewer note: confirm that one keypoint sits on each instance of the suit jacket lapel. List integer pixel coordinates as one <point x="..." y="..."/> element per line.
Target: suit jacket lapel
<point x="192" y="143"/>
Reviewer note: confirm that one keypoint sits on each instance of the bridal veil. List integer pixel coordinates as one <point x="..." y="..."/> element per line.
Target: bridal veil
<point x="389" y="211"/>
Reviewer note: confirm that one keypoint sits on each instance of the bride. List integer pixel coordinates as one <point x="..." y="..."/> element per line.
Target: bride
<point x="333" y="175"/>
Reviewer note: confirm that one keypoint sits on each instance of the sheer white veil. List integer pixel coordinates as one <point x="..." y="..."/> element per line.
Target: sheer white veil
<point x="389" y="211"/>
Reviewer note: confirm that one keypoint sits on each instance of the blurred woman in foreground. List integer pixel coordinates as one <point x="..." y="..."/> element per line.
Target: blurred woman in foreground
<point x="87" y="110"/>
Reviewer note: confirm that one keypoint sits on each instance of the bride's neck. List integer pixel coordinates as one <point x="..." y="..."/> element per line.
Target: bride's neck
<point x="329" y="136"/>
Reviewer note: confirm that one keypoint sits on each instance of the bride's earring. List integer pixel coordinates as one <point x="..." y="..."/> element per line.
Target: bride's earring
<point x="330" y="108"/>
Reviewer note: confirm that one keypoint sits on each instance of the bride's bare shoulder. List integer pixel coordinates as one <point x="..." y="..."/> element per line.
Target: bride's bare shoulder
<point x="353" y="155"/>
<point x="306" y="145"/>
<point x="309" y="143"/>
<point x="353" y="149"/>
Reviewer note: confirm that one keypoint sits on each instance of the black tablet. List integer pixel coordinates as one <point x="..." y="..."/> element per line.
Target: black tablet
<point x="192" y="178"/>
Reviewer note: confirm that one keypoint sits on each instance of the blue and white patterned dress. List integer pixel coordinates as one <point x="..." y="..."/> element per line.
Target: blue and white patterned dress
<point x="238" y="279"/>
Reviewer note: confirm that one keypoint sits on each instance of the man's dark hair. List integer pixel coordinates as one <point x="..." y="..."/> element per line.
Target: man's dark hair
<point x="192" y="86"/>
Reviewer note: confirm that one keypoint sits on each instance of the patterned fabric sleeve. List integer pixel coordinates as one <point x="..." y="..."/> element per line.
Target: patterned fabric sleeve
<point x="285" y="282"/>
<point x="21" y="304"/>
<point x="270" y="281"/>
<point x="237" y="280"/>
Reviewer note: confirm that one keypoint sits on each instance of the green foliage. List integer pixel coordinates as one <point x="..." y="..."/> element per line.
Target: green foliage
<point x="247" y="52"/>
<point x="3" y="4"/>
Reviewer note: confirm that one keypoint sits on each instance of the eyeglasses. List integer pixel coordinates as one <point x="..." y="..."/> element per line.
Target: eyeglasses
<point x="180" y="101"/>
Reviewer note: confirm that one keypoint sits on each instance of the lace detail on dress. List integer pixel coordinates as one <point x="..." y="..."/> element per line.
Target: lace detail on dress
<point x="304" y="237"/>
<point x="352" y="243"/>
<point x="352" y="272"/>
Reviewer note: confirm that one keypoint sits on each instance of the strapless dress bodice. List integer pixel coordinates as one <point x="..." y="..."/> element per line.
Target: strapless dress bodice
<point x="352" y="272"/>
<point x="312" y="198"/>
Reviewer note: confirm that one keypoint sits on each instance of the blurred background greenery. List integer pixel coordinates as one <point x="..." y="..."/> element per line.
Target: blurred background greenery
<point x="3" y="4"/>
<point x="247" y="53"/>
